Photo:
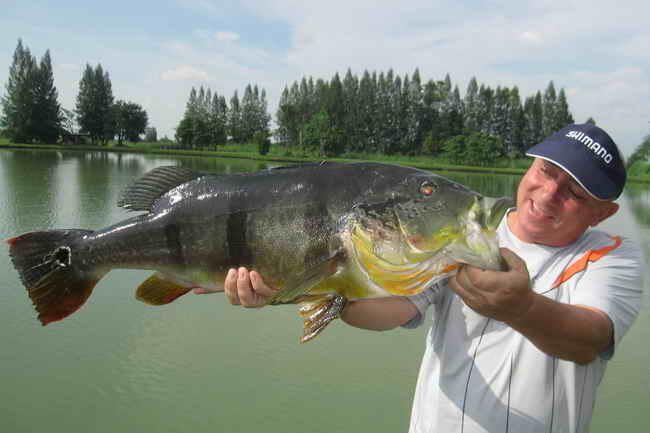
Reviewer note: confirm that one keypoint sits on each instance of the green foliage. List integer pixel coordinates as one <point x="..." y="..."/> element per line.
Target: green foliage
<point x="30" y="108"/>
<point x="208" y="121"/>
<point x="94" y="108"/>
<point x="475" y="149"/>
<point x="637" y="163"/>
<point x="390" y="114"/>
<point x="130" y="121"/>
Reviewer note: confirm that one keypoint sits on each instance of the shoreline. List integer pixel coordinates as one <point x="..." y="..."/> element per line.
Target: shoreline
<point x="287" y="159"/>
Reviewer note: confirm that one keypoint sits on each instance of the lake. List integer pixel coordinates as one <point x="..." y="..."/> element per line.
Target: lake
<point x="202" y="365"/>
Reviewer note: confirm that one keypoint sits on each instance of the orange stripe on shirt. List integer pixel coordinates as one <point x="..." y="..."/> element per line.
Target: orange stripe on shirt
<point x="589" y="256"/>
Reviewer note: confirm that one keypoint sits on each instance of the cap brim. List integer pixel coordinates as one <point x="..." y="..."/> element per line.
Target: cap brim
<point x="566" y="157"/>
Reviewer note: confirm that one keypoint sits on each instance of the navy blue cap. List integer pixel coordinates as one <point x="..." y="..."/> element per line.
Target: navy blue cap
<point x="589" y="155"/>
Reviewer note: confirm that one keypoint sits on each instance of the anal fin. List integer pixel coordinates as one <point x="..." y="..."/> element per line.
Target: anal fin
<point x="157" y="291"/>
<point x="317" y="312"/>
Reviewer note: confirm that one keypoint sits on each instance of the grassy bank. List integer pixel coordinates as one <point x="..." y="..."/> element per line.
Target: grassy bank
<point x="278" y="154"/>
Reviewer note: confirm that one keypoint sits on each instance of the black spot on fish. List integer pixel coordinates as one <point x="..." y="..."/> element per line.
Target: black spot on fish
<point x="173" y="240"/>
<point x="317" y="227"/>
<point x="239" y="251"/>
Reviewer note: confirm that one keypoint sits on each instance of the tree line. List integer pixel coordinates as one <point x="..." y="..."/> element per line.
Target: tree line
<point x="376" y="113"/>
<point x="31" y="112"/>
<point x="209" y="120"/>
<point x="385" y="113"/>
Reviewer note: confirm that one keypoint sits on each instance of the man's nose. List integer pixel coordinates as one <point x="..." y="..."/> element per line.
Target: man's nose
<point x="551" y="189"/>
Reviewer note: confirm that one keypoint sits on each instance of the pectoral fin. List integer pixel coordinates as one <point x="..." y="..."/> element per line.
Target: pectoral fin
<point x="158" y="291"/>
<point x="317" y="312"/>
<point x="301" y="283"/>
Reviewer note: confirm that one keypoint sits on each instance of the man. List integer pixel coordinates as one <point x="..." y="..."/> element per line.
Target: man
<point x="521" y="350"/>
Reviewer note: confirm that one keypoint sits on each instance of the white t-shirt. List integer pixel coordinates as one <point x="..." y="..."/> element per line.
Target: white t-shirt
<point x="479" y="375"/>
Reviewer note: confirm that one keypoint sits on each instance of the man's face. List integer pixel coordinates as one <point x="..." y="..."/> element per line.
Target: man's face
<point x="553" y="209"/>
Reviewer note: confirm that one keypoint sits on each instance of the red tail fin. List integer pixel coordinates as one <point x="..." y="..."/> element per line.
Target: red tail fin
<point x="49" y="270"/>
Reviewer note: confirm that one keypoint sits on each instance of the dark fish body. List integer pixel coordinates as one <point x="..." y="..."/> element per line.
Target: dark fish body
<point x="307" y="229"/>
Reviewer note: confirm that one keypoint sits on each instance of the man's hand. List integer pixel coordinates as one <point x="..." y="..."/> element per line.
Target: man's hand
<point x="245" y="288"/>
<point x="501" y="295"/>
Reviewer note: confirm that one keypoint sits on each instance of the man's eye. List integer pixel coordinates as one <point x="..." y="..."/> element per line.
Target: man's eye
<point x="575" y="194"/>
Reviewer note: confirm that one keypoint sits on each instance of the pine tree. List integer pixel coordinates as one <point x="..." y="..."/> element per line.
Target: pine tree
<point x="563" y="116"/>
<point x="262" y="115"/>
<point x="368" y="113"/>
<point x="18" y="103"/>
<point x="499" y="118"/>
<point x="185" y="129"/>
<point x="94" y="104"/>
<point x="513" y="140"/>
<point x="352" y="115"/>
<point x="235" y="120"/>
<point x="47" y="116"/>
<point x="549" y="105"/>
<point x="532" y="132"/>
<point x="287" y="120"/>
<point x="484" y="109"/>
<point x="471" y="106"/>
<point x="217" y="119"/>
<point x="248" y="114"/>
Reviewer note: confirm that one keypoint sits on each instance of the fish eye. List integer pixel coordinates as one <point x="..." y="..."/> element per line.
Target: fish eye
<point x="427" y="188"/>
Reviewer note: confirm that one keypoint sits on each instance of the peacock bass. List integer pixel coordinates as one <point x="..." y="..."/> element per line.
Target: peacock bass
<point x="321" y="233"/>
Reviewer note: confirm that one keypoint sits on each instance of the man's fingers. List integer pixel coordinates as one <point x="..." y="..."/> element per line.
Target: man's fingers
<point x="260" y="286"/>
<point x="464" y="279"/>
<point x="230" y="287"/>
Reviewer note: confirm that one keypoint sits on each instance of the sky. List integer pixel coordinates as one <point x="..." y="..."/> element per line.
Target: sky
<point x="156" y="51"/>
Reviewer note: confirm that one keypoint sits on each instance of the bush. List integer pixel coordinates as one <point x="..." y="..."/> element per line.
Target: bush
<point x="475" y="149"/>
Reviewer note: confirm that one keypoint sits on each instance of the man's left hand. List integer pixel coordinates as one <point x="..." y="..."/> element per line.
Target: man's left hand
<point x="501" y="295"/>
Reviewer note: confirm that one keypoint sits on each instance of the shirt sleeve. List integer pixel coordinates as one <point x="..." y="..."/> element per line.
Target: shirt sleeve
<point x="423" y="301"/>
<point x="614" y="285"/>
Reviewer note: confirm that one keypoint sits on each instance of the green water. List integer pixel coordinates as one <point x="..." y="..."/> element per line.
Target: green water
<point x="201" y="365"/>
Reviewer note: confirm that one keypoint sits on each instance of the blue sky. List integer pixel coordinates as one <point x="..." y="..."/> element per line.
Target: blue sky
<point x="156" y="51"/>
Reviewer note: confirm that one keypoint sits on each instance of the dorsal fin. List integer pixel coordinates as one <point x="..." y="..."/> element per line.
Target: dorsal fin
<point x="142" y="194"/>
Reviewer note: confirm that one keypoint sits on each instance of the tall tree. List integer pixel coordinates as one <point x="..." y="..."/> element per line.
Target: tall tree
<point x="549" y="105"/>
<point x="563" y="116"/>
<point x="235" y="120"/>
<point x="17" y="103"/>
<point x="94" y="104"/>
<point x="471" y="106"/>
<point x="47" y="115"/>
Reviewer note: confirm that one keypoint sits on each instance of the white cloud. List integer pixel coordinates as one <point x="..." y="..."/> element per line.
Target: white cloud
<point x="533" y="37"/>
<point x="225" y="36"/>
<point x="595" y="50"/>
<point x="184" y="72"/>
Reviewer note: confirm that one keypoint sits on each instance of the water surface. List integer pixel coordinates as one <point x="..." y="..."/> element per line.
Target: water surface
<point x="201" y="365"/>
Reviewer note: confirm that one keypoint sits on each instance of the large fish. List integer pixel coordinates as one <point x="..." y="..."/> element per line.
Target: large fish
<point x="322" y="233"/>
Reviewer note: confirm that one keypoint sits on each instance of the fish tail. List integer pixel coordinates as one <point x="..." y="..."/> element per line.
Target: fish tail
<point x="51" y="270"/>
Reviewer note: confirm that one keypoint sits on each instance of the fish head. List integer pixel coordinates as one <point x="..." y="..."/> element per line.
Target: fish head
<point x="439" y="216"/>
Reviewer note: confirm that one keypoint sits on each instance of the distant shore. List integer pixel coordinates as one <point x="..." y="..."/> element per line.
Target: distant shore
<point x="422" y="163"/>
<point x="413" y="162"/>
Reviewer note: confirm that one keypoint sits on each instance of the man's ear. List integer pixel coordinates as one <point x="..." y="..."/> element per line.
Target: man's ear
<point x="605" y="210"/>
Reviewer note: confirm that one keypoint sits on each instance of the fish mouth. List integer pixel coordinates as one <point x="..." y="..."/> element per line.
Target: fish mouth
<point x="470" y="238"/>
<point x="479" y="245"/>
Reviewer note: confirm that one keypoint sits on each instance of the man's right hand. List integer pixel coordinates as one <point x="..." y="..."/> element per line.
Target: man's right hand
<point x="247" y="289"/>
